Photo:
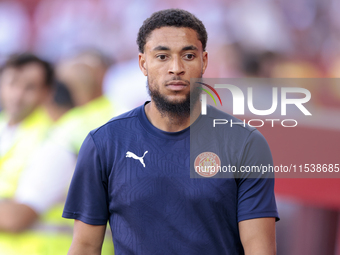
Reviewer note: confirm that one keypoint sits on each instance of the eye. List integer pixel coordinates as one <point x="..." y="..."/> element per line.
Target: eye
<point x="189" y="56"/>
<point x="161" y="56"/>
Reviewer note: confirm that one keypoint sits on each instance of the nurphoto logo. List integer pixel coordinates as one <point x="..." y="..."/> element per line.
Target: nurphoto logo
<point x="239" y="100"/>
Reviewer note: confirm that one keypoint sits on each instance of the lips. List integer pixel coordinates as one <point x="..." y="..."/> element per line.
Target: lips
<point x="176" y="85"/>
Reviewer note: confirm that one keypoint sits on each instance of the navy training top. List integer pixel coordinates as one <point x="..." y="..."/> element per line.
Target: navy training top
<point x="137" y="177"/>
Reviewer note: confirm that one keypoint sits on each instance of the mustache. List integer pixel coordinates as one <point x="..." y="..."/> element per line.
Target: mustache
<point x="177" y="78"/>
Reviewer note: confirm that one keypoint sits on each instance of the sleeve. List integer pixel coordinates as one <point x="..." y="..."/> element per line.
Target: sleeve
<point x="87" y="199"/>
<point x="256" y="198"/>
<point x="44" y="182"/>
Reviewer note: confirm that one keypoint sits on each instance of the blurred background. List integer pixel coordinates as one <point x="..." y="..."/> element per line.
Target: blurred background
<point x="91" y="45"/>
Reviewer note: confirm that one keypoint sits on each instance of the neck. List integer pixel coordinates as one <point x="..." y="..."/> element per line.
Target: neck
<point x="170" y="122"/>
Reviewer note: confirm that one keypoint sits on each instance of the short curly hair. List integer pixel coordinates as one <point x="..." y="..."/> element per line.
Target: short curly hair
<point x="171" y="18"/>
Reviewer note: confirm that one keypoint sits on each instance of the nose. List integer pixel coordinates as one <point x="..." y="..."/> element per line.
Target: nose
<point x="176" y="66"/>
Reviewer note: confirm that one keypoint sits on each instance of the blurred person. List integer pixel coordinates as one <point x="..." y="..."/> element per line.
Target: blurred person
<point x="25" y="83"/>
<point x="134" y="171"/>
<point x="251" y="65"/>
<point x="59" y="102"/>
<point x="83" y="74"/>
<point x="259" y="64"/>
<point x="45" y="181"/>
<point x="295" y="68"/>
<point x="334" y="72"/>
<point x="24" y="86"/>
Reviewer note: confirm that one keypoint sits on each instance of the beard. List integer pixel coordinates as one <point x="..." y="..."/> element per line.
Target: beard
<point x="179" y="109"/>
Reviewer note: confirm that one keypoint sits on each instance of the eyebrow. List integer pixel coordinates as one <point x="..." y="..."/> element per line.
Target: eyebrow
<point x="160" y="47"/>
<point x="191" y="47"/>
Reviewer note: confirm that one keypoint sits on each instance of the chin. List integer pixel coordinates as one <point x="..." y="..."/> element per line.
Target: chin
<point x="177" y="99"/>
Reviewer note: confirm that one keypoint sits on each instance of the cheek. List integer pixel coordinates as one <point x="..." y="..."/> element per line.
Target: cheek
<point x="5" y="91"/>
<point x="154" y="77"/>
<point x="9" y="95"/>
<point x="195" y="69"/>
<point x="155" y="70"/>
<point x="33" y="98"/>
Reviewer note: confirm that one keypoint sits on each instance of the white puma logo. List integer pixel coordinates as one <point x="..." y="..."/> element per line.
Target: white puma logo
<point x="132" y="155"/>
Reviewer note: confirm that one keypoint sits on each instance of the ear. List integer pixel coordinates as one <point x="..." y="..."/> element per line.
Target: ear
<point x="142" y="63"/>
<point x="205" y="61"/>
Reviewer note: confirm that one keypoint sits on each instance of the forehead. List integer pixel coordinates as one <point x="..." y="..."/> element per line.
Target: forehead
<point x="32" y="72"/>
<point x="173" y="38"/>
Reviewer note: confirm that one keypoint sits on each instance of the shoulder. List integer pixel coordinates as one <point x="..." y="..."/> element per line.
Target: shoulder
<point x="239" y="137"/>
<point x="223" y="124"/>
<point x="117" y="125"/>
<point x="108" y="140"/>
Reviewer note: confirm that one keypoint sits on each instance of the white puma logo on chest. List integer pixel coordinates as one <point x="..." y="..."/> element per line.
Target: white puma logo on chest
<point x="130" y="154"/>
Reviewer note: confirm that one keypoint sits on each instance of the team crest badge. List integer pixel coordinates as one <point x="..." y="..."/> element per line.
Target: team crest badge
<point x="207" y="164"/>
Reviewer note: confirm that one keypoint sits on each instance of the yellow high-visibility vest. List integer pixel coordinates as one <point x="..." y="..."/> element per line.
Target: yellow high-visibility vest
<point x="52" y="234"/>
<point x="29" y="136"/>
<point x="73" y="127"/>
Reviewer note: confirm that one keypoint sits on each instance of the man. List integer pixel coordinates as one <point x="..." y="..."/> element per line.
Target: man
<point x="135" y="170"/>
<point x="44" y="183"/>
<point x="83" y="74"/>
<point x="25" y="83"/>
